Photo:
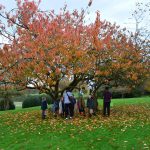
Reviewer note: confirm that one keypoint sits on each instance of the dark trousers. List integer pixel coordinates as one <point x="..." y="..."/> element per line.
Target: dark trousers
<point x="106" y="108"/>
<point x="68" y="110"/>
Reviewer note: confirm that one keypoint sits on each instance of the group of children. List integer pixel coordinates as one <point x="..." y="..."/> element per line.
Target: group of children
<point x="67" y="105"/>
<point x="77" y="106"/>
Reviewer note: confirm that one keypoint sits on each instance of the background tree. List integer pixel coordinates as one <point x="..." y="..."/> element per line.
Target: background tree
<point x="120" y="61"/>
<point x="141" y="35"/>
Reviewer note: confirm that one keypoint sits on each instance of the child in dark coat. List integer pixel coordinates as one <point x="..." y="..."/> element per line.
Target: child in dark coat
<point x="43" y="107"/>
<point x="55" y="107"/>
<point x="90" y="105"/>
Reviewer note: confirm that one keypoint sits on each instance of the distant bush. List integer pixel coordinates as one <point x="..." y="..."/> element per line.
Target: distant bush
<point x="126" y="95"/>
<point x="35" y="100"/>
<point x="10" y="105"/>
<point x="119" y="94"/>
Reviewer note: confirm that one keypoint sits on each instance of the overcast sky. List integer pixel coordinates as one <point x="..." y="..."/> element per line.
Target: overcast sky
<point x="118" y="11"/>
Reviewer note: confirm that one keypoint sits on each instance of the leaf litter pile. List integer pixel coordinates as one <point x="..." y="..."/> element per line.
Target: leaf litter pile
<point x="122" y="115"/>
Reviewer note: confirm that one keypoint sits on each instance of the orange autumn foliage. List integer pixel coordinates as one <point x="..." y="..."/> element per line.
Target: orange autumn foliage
<point x="49" y="46"/>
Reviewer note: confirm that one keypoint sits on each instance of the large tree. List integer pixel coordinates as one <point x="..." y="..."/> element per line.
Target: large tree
<point x="45" y="48"/>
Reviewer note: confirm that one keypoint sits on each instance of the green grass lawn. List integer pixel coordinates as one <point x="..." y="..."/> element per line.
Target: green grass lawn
<point x="128" y="128"/>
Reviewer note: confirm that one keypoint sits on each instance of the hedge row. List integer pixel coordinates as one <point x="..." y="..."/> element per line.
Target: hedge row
<point x="35" y="100"/>
<point x="10" y="104"/>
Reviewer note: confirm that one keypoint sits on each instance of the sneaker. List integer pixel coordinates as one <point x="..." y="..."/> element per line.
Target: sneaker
<point x="70" y="117"/>
<point x="66" y="118"/>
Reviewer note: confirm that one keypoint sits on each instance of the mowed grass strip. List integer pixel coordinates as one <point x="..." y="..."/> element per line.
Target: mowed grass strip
<point x="127" y="128"/>
<point x="128" y="101"/>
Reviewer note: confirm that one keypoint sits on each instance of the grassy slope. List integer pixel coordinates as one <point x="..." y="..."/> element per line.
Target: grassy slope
<point x="127" y="128"/>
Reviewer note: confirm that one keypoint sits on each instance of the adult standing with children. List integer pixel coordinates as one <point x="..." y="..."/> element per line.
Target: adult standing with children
<point x="106" y="101"/>
<point x="67" y="103"/>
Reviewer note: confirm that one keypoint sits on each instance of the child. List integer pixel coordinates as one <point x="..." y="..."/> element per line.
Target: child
<point x="43" y="107"/>
<point x="55" y="107"/>
<point x="61" y="107"/>
<point x="81" y="106"/>
<point x="90" y="105"/>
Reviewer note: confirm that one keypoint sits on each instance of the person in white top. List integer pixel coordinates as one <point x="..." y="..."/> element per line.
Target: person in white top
<point x="67" y="95"/>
